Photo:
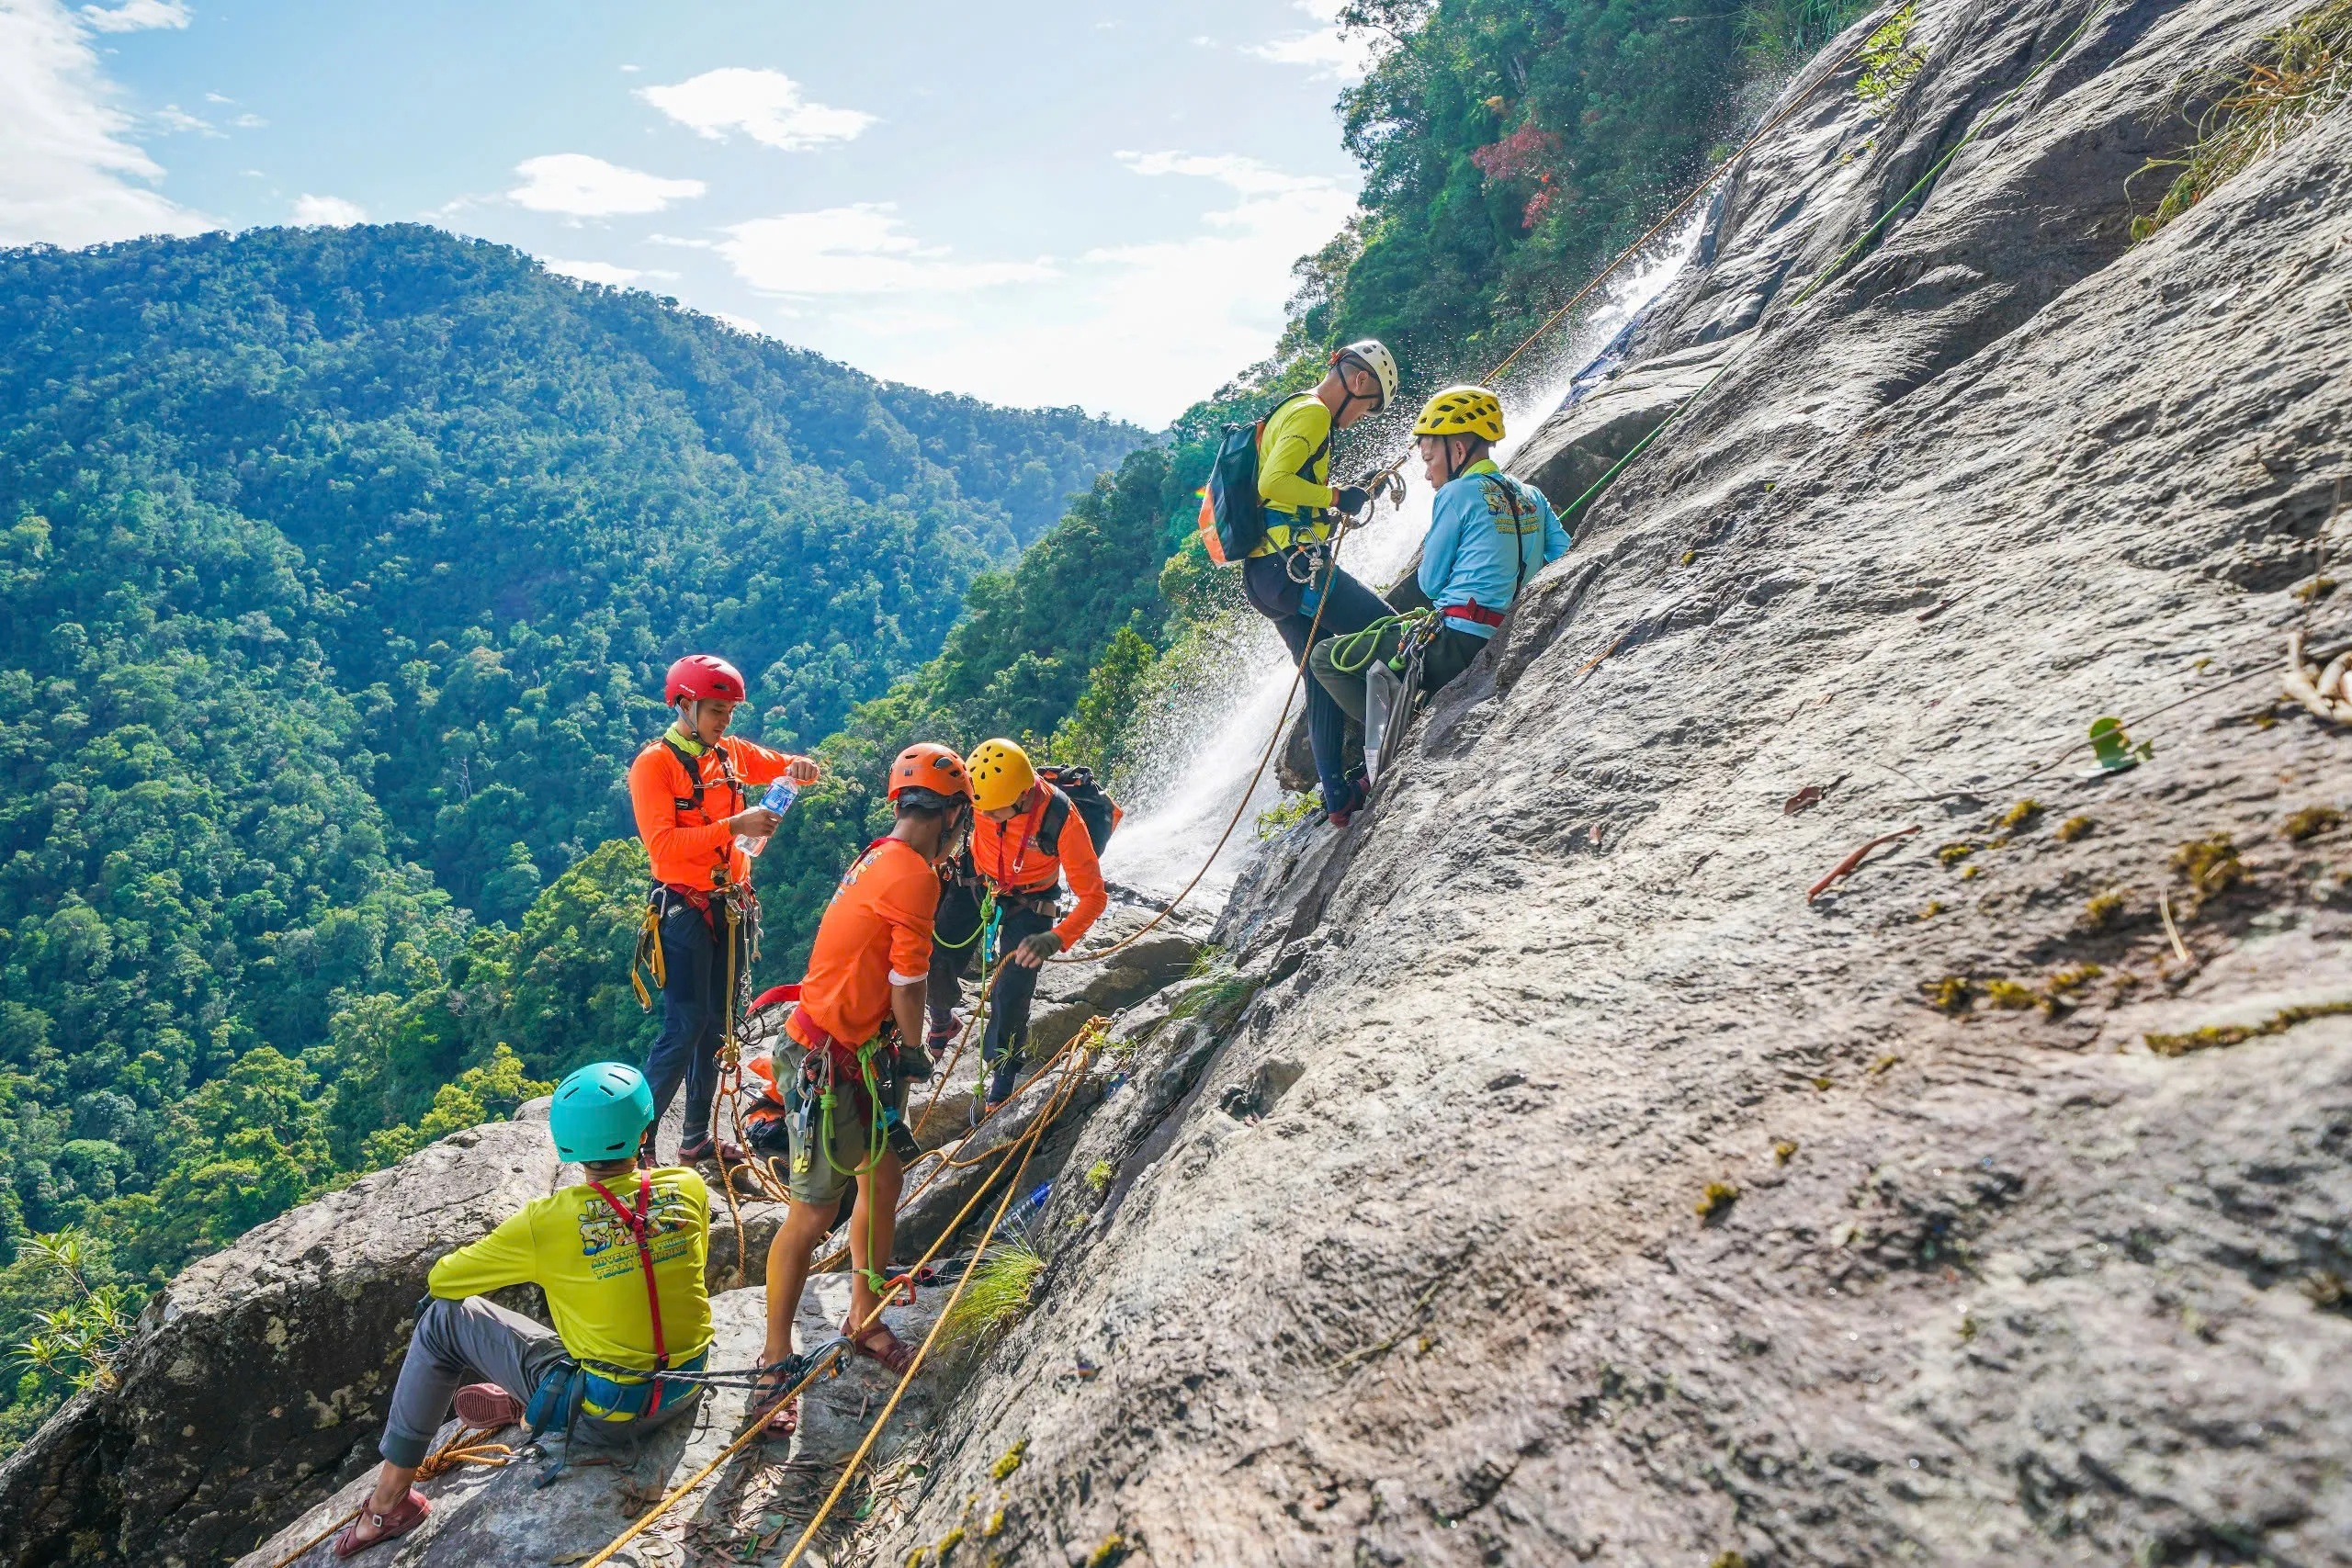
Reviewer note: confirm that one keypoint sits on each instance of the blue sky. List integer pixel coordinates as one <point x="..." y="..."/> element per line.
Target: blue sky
<point x="1092" y="203"/>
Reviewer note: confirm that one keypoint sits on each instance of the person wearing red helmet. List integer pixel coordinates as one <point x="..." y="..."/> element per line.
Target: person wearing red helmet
<point x="861" y="1007"/>
<point x="689" y="791"/>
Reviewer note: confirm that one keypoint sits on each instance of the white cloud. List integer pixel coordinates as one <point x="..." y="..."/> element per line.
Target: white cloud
<point x="594" y="272"/>
<point x="173" y="118"/>
<point x="581" y="186"/>
<point x="856" y="250"/>
<point x="328" y="210"/>
<point x="765" y="106"/>
<point x="1321" y="49"/>
<point x="67" y="175"/>
<point x="1140" y="330"/>
<point x="249" y="122"/>
<point x="135" y="16"/>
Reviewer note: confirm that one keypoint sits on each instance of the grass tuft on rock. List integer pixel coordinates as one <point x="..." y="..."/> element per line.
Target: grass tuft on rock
<point x="995" y="1300"/>
<point x="1715" y="1201"/>
<point x="2074" y="827"/>
<point x="2210" y="867"/>
<point x="2300" y="74"/>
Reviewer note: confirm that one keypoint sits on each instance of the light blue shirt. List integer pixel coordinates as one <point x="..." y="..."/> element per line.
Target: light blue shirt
<point x="1477" y="552"/>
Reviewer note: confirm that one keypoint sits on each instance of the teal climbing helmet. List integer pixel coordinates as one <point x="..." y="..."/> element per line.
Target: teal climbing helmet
<point x="599" y="1113"/>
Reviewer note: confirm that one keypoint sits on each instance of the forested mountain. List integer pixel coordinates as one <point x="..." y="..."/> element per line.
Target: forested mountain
<point x="338" y="571"/>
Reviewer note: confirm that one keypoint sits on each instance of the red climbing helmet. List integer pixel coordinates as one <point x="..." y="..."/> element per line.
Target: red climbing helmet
<point x="701" y="676"/>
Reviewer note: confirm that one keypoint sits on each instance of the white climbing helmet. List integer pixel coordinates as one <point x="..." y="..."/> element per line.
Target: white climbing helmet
<point x="1373" y="355"/>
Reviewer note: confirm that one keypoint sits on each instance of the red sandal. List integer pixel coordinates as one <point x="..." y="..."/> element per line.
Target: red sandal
<point x="389" y="1527"/>
<point x="893" y="1355"/>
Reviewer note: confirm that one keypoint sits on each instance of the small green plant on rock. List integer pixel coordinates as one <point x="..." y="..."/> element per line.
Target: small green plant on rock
<point x="1286" y="813"/>
<point x="1716" y="1201"/>
<point x="2220" y="1035"/>
<point x="2017" y="816"/>
<point x="2104" y="911"/>
<point x="2210" y="867"/>
<point x="1098" y="1178"/>
<point x="2009" y="994"/>
<point x="2311" y="822"/>
<point x="2072" y="828"/>
<point x="1889" y="61"/>
<point x="1009" y="1462"/>
<point x="1953" y="854"/>
<point x="1952" y="994"/>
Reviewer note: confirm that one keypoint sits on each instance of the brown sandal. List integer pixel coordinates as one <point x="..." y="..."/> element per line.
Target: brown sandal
<point x="389" y="1527"/>
<point x="893" y="1355"/>
<point x="784" y="1420"/>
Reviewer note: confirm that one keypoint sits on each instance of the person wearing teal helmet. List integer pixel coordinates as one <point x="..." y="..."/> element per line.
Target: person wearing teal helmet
<point x="620" y="1257"/>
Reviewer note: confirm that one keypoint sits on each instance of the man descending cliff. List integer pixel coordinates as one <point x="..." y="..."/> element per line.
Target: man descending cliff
<point x="1488" y="534"/>
<point x="620" y="1257"/>
<point x="688" y="792"/>
<point x="1027" y="834"/>
<point x="1287" y="573"/>
<point x="861" y="1006"/>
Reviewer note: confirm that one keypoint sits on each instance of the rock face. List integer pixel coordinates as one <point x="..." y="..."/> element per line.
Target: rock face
<point x="257" y="1378"/>
<point x="1584" y="1193"/>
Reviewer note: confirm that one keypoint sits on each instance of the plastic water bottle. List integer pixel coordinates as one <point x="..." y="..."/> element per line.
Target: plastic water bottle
<point x="779" y="799"/>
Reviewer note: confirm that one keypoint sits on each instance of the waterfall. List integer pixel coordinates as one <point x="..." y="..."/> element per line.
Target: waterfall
<point x="1204" y="739"/>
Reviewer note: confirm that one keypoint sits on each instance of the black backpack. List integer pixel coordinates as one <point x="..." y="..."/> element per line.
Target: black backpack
<point x="1233" y="518"/>
<point x="1093" y="802"/>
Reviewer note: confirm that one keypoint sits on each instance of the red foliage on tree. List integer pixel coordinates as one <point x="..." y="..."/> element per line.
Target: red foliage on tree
<point x="1522" y="153"/>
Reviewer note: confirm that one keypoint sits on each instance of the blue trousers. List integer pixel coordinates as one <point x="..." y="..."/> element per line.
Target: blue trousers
<point x="1348" y="606"/>
<point x="693" y="1004"/>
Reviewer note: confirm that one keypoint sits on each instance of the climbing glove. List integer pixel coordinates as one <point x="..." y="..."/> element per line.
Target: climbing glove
<point x="1351" y="499"/>
<point x="1037" y="949"/>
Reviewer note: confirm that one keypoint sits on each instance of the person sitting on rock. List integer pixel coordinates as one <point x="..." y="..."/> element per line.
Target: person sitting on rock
<point x="620" y="1257"/>
<point x="688" y="792"/>
<point x="1027" y="833"/>
<point x="1488" y="534"/>
<point x="867" y="972"/>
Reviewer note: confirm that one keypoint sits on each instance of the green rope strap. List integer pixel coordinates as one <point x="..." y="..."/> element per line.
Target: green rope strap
<point x="1352" y="654"/>
<point x="988" y="912"/>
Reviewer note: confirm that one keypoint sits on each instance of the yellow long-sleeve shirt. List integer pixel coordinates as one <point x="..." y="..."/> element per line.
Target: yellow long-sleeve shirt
<point x="1293" y="474"/>
<point x="575" y="1247"/>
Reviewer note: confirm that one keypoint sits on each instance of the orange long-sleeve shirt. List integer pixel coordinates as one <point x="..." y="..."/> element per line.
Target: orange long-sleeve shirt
<point x="687" y="845"/>
<point x="1012" y="861"/>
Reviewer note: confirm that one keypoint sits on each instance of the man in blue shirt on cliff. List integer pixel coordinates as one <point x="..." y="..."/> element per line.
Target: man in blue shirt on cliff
<point x="1488" y="534"/>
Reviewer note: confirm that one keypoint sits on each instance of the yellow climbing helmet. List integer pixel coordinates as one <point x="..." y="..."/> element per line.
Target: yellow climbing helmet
<point x="1000" y="774"/>
<point x="1461" y="411"/>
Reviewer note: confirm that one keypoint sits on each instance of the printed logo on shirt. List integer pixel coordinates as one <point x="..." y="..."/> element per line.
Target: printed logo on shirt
<point x="1517" y="524"/>
<point x="604" y="1239"/>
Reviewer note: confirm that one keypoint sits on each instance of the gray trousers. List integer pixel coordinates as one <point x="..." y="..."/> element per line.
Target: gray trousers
<point x="470" y="1340"/>
<point x="476" y="1340"/>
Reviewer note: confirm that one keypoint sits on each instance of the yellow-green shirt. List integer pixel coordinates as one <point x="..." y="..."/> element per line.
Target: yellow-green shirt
<point x="1288" y="482"/>
<point x="575" y="1249"/>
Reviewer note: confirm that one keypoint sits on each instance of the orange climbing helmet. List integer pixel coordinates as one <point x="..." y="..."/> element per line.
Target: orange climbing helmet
<point x="929" y="766"/>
